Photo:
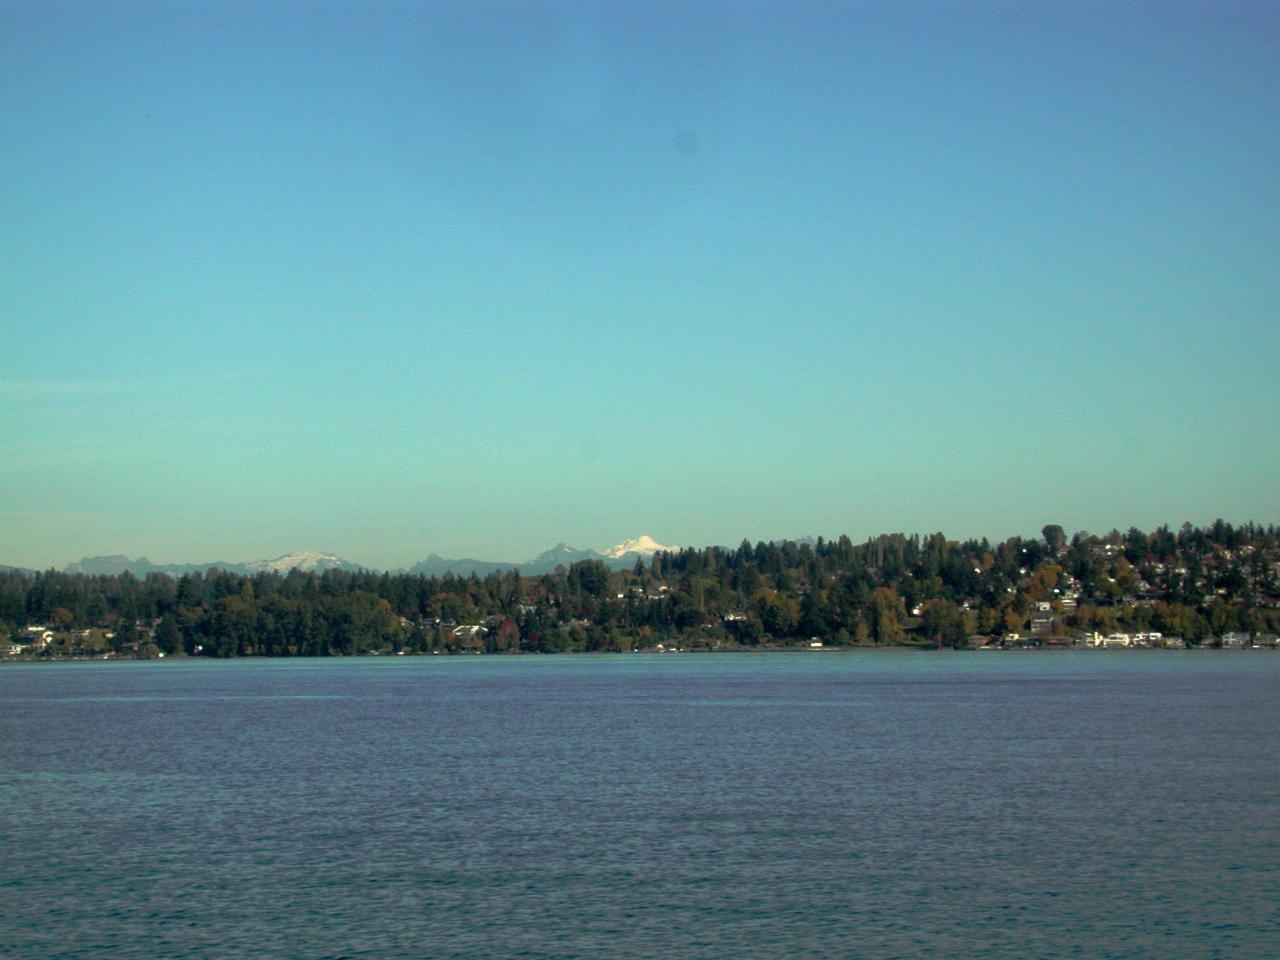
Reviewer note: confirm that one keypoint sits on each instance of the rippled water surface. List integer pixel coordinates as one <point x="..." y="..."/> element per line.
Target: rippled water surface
<point x="815" y="804"/>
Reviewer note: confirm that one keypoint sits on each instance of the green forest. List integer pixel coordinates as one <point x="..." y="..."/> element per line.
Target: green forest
<point x="1197" y="584"/>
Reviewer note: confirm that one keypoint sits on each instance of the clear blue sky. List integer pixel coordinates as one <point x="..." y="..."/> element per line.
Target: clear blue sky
<point x="390" y="279"/>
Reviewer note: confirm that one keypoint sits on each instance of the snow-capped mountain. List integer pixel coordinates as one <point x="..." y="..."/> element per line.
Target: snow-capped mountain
<point x="644" y="545"/>
<point x="619" y="557"/>
<point x="561" y="553"/>
<point x="308" y="561"/>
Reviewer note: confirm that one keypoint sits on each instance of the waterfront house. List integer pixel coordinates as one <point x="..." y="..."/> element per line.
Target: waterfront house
<point x="38" y="636"/>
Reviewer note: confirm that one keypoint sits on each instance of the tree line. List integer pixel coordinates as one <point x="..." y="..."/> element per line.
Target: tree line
<point x="1194" y="582"/>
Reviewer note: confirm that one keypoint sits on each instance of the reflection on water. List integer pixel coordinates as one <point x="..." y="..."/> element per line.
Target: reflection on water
<point x="708" y="806"/>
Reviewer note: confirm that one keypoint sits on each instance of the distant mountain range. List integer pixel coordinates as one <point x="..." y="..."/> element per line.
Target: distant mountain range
<point x="306" y="560"/>
<point x="617" y="557"/>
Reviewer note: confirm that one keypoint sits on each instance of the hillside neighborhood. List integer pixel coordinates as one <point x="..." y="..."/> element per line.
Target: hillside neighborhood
<point x="1215" y="587"/>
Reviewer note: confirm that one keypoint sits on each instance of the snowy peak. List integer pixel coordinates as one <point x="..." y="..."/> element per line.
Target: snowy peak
<point x="308" y="561"/>
<point x="644" y="545"/>
<point x="560" y="553"/>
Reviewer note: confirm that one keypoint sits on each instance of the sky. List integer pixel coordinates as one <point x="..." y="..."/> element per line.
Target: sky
<point x="390" y="279"/>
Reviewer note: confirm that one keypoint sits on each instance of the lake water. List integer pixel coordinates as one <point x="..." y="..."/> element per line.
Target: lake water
<point x="870" y="804"/>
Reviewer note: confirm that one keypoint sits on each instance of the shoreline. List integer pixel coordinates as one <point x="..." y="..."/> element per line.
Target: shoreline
<point x="752" y="651"/>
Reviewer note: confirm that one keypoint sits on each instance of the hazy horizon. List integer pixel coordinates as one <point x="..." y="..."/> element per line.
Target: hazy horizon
<point x="393" y="279"/>
<point x="428" y="552"/>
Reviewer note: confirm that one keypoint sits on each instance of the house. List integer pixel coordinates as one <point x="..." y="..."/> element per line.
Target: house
<point x="38" y="635"/>
<point x="1117" y="640"/>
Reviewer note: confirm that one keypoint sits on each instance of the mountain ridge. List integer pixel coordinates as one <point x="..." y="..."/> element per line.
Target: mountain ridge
<point x="621" y="555"/>
<point x="118" y="563"/>
<point x="617" y="557"/>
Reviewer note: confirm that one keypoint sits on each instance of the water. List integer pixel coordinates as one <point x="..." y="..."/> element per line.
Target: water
<point x="786" y="805"/>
